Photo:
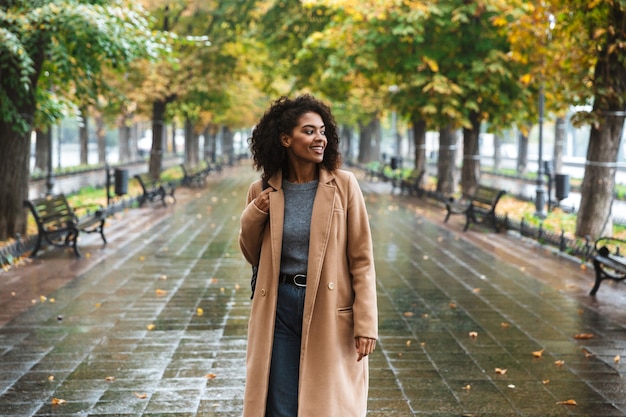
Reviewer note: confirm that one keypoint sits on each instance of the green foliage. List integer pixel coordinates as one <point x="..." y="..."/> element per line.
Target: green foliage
<point x="60" y="48"/>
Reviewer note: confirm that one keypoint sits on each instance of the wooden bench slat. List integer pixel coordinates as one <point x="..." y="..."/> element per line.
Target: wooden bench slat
<point x="155" y="189"/>
<point x="59" y="225"/>
<point x="608" y="262"/>
<point x="479" y="208"/>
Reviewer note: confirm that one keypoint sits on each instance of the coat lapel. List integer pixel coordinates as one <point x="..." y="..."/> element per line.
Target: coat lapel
<point x="321" y="219"/>
<point x="277" y="220"/>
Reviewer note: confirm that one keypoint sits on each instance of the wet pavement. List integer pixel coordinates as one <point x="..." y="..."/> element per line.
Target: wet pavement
<point x="154" y="324"/>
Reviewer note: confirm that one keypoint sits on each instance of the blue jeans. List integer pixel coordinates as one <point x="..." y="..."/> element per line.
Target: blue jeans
<point x="282" y="396"/>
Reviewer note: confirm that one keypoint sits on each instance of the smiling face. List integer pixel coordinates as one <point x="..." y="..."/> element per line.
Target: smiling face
<point x="307" y="141"/>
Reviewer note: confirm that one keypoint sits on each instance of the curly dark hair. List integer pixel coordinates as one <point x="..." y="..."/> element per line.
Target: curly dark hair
<point x="268" y="154"/>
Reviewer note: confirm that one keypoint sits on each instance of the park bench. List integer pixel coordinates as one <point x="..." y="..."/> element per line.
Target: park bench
<point x="410" y="183"/>
<point x="195" y="175"/>
<point x="59" y="225"/>
<point x="155" y="189"/>
<point x="375" y="170"/>
<point x="479" y="208"/>
<point x="608" y="261"/>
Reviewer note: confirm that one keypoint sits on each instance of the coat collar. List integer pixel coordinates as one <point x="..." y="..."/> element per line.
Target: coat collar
<point x="326" y="177"/>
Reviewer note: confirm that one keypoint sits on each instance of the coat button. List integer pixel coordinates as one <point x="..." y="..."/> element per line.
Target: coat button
<point x="263" y="292"/>
<point x="331" y="285"/>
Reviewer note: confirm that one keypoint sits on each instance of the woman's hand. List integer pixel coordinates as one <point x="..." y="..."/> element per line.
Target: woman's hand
<point x="262" y="201"/>
<point x="364" y="346"/>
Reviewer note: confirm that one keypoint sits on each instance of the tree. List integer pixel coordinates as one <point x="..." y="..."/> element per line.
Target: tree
<point x="576" y="52"/>
<point x="46" y="44"/>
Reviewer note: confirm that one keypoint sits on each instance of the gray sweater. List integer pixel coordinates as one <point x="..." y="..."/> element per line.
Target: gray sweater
<point x="297" y="227"/>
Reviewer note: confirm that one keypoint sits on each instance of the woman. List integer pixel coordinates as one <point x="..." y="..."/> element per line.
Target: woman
<point x="314" y="315"/>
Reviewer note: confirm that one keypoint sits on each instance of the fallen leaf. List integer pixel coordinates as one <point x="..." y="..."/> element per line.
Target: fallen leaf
<point x="140" y="396"/>
<point x="559" y="363"/>
<point x="467" y="387"/>
<point x="505" y="325"/>
<point x="616" y="359"/>
<point x="473" y="334"/>
<point x="199" y="311"/>
<point x="400" y="354"/>
<point x="567" y="402"/>
<point x="425" y="315"/>
<point x="237" y="286"/>
<point x="43" y="298"/>
<point x="408" y="314"/>
<point x="160" y="292"/>
<point x="583" y="336"/>
<point x="214" y="280"/>
<point x="452" y="304"/>
<point x="142" y="258"/>
<point x="52" y="300"/>
<point x="51" y="378"/>
<point x="587" y="353"/>
<point x="545" y="381"/>
<point x="538" y="353"/>
<point x="163" y="277"/>
<point x="210" y="376"/>
<point x="150" y="326"/>
<point x="500" y="371"/>
<point x="109" y="378"/>
<point x="583" y="267"/>
<point x="408" y="343"/>
<point x="511" y="386"/>
<point x="425" y="257"/>
<point x="58" y="401"/>
<point x="476" y="290"/>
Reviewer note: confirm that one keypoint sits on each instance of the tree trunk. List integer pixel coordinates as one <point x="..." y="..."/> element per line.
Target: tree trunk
<point x="83" y="137"/>
<point x="559" y="144"/>
<point x="522" y="154"/>
<point x="597" y="189"/>
<point x="470" y="171"/>
<point x="445" y="163"/>
<point x="42" y="149"/>
<point x="101" y="136"/>
<point x="14" y="177"/>
<point x="497" y="153"/>
<point x="346" y="143"/>
<point x="419" y="139"/>
<point x="124" y="139"/>
<point x="366" y="134"/>
<point x="158" y="129"/>
<point x="228" y="147"/>
<point x="191" y="143"/>
<point x="594" y="214"/>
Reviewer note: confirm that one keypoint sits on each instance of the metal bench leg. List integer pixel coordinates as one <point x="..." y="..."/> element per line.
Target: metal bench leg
<point x="599" y="278"/>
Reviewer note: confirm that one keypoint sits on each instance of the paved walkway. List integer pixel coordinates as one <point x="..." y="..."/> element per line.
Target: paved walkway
<point x="155" y="323"/>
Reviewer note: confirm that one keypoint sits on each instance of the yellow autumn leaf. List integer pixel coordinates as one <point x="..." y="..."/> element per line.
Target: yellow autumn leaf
<point x="199" y="311"/>
<point x="582" y="336"/>
<point x="526" y="79"/>
<point x="545" y="381"/>
<point x="473" y="334"/>
<point x="616" y="359"/>
<point x="58" y="401"/>
<point x="538" y="353"/>
<point x="150" y="326"/>
<point x="559" y="363"/>
<point x="408" y="343"/>
<point x="476" y="290"/>
<point x="432" y="64"/>
<point x="160" y="292"/>
<point x="210" y="376"/>
<point x="140" y="396"/>
<point x="467" y="387"/>
<point x="109" y="378"/>
<point x="501" y="371"/>
<point x="505" y="325"/>
<point x="599" y="32"/>
<point x="452" y="305"/>
<point x="567" y="402"/>
<point x="51" y="378"/>
<point x="408" y="314"/>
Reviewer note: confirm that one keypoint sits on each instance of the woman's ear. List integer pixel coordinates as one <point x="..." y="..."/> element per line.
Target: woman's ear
<point x="284" y="139"/>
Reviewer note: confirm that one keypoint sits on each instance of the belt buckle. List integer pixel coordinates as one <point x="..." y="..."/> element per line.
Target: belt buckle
<point x="298" y="284"/>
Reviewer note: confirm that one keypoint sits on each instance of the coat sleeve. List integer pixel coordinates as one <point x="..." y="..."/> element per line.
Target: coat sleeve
<point x="361" y="263"/>
<point x="252" y="225"/>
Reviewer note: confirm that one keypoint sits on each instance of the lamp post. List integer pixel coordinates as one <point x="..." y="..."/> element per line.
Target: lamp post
<point x="540" y="200"/>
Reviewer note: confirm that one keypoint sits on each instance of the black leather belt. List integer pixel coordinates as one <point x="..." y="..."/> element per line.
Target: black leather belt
<point x="299" y="280"/>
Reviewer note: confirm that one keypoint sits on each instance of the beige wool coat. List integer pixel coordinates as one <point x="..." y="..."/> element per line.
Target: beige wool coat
<point x="340" y="301"/>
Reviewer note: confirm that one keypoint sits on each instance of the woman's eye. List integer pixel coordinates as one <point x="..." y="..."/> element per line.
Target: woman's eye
<point x="309" y="132"/>
<point x="323" y="132"/>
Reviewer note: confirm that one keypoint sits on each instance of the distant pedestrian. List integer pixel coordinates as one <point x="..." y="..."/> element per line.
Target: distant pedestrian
<point x="314" y="313"/>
